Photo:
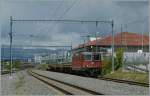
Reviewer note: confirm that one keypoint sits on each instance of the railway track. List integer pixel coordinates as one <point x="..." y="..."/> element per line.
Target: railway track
<point x="65" y="88"/>
<point x="7" y="72"/>
<point x="125" y="81"/>
<point x="135" y="68"/>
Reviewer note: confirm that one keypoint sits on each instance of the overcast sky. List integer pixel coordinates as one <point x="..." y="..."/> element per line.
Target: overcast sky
<point x="134" y="13"/>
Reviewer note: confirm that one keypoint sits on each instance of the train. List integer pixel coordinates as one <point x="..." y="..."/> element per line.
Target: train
<point x="82" y="63"/>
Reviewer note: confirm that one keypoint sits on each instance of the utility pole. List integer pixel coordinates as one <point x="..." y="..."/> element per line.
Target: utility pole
<point x="142" y="41"/>
<point x="121" y="37"/>
<point x="31" y="39"/>
<point x="96" y="35"/>
<point x="96" y="40"/>
<point x="11" y="37"/>
<point x="126" y="49"/>
<point x="71" y="45"/>
<point x="86" y="38"/>
<point x="122" y="47"/>
<point x="84" y="46"/>
<point x="63" y="59"/>
<point x="62" y="21"/>
<point x="112" y="46"/>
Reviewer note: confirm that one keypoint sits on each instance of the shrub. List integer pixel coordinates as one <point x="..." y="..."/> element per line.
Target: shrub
<point x="16" y="64"/>
<point x="107" y="62"/>
<point x="7" y="66"/>
<point x="119" y="58"/>
<point x="106" y="65"/>
<point x="43" y="67"/>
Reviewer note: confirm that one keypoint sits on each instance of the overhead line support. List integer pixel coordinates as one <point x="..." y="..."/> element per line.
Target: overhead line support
<point x="65" y="20"/>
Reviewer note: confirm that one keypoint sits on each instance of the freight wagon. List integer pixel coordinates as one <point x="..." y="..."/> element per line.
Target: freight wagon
<point x="83" y="63"/>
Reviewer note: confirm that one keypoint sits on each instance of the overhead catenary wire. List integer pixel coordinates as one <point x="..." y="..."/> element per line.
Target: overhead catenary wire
<point x="39" y="46"/>
<point x="132" y="22"/>
<point x="56" y="10"/>
<point x="66" y="11"/>
<point x="62" y="21"/>
<point x="81" y="21"/>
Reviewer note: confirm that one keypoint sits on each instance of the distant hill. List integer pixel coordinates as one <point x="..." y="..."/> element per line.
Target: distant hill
<point x="20" y="53"/>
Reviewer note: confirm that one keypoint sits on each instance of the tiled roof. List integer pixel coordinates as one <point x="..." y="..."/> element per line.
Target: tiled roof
<point x="124" y="38"/>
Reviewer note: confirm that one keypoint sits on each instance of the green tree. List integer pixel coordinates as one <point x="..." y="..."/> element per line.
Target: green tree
<point x="119" y="58"/>
<point x="16" y="64"/>
<point x="7" y="66"/>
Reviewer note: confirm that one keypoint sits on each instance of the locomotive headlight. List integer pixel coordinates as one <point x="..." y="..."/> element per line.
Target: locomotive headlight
<point x="92" y="62"/>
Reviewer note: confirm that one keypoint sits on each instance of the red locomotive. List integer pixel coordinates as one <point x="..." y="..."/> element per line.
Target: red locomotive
<point x="87" y="62"/>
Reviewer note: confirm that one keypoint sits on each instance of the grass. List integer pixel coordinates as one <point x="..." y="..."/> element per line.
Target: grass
<point x="20" y="82"/>
<point x="131" y="76"/>
<point x="43" y="67"/>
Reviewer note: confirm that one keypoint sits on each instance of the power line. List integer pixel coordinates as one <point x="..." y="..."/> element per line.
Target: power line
<point x="81" y="21"/>
<point x="136" y="21"/>
<point x="53" y="15"/>
<point x="65" y="12"/>
<point x="56" y="10"/>
<point x="59" y="6"/>
<point x="61" y="20"/>
<point x="132" y="22"/>
<point x="68" y="9"/>
<point x="38" y="46"/>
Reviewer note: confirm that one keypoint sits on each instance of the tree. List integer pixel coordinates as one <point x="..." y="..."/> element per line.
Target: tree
<point x="16" y="64"/>
<point x="119" y="58"/>
<point x="7" y="66"/>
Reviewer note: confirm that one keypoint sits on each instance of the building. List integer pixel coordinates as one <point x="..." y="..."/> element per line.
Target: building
<point x="38" y="59"/>
<point x="131" y="42"/>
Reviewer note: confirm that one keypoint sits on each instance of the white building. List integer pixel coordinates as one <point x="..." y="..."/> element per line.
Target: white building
<point x="38" y="59"/>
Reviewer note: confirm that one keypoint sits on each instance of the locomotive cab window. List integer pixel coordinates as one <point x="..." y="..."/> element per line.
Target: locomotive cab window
<point x="87" y="57"/>
<point x="97" y="57"/>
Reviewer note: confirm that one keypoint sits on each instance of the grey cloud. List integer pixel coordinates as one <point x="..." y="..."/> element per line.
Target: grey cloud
<point x="121" y="11"/>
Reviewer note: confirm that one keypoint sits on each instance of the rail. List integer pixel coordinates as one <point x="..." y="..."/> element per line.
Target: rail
<point x="138" y="68"/>
<point x="124" y="81"/>
<point x="65" y="88"/>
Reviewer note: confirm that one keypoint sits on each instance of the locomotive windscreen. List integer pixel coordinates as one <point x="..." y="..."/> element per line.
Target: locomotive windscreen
<point x="96" y="57"/>
<point x="92" y="56"/>
<point x="87" y="57"/>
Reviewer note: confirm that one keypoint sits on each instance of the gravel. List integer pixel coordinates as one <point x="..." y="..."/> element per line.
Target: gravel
<point x="24" y="84"/>
<point x="102" y="86"/>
